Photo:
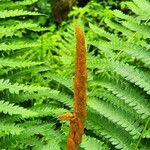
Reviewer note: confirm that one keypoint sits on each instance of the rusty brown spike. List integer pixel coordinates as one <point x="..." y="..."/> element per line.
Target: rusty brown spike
<point x="77" y="119"/>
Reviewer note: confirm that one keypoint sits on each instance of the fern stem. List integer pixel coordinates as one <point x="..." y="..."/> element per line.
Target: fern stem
<point x="139" y="140"/>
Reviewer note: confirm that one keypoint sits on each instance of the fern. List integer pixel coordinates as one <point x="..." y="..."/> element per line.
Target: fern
<point x="120" y="117"/>
<point x="13" y="46"/>
<point x="48" y="110"/>
<point x="11" y="109"/>
<point x="89" y="143"/>
<point x="16" y="4"/>
<point x="24" y="140"/>
<point x="138" y="52"/>
<point x="37" y="72"/>
<point x="9" y="129"/>
<point x="130" y="96"/>
<point x="136" y="76"/>
<point x="147" y="134"/>
<point x="18" y="35"/>
<point x="139" y="8"/>
<point x="16" y="88"/>
<point x="102" y="127"/>
<point x="124" y="62"/>
<point x="139" y="28"/>
<point x="119" y="27"/>
<point x="14" y="13"/>
<point x="121" y="15"/>
<point x="11" y="30"/>
<point x="113" y="99"/>
<point x="17" y="64"/>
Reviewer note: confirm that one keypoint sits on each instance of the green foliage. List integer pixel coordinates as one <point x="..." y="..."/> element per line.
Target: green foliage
<point x="22" y="123"/>
<point x="37" y="69"/>
<point x="122" y="72"/>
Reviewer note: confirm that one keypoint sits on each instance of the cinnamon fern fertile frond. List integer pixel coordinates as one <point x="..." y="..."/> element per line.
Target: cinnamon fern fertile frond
<point x="77" y="119"/>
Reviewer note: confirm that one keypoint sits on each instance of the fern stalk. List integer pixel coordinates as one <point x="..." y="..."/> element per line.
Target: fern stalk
<point x="77" y="119"/>
<point x="140" y="138"/>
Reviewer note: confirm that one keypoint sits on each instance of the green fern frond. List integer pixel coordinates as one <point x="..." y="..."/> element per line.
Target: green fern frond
<point x="16" y="88"/>
<point x="142" y="13"/>
<point x="17" y="63"/>
<point x="114" y="25"/>
<point x="139" y="28"/>
<point x="55" y="95"/>
<point x="13" y="46"/>
<point x="16" y="12"/>
<point x="147" y="134"/>
<point x="95" y="62"/>
<point x="36" y="128"/>
<point x="133" y="50"/>
<point x="17" y="4"/>
<point x="132" y="74"/>
<point x="121" y="15"/>
<point x="10" y="129"/>
<point x="64" y="98"/>
<point x="48" y="110"/>
<point x="62" y="80"/>
<point x="33" y="142"/>
<point x="103" y="127"/>
<point x="144" y="5"/>
<point x="102" y="32"/>
<point x="116" y="116"/>
<point x="12" y="29"/>
<point x="129" y="95"/>
<point x="106" y="95"/>
<point x="89" y="143"/>
<point x="12" y="109"/>
<point x="52" y="145"/>
<point x="45" y="130"/>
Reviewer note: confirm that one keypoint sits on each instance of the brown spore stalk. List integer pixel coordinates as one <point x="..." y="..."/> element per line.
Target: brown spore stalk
<point x="77" y="119"/>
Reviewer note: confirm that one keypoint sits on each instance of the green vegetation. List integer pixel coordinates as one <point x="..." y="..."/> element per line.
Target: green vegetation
<point x="37" y="71"/>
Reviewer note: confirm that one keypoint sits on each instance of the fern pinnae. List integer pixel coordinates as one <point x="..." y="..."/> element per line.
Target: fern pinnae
<point x="11" y="63"/>
<point x="130" y="96"/>
<point x="119" y="27"/>
<point x="108" y="96"/>
<point x="132" y="74"/>
<point x="116" y="43"/>
<point x="101" y="126"/>
<point x="132" y="49"/>
<point x="142" y="14"/>
<point x="9" y="129"/>
<point x="36" y="128"/>
<point x="144" y="5"/>
<point x="18" y="4"/>
<point x="11" y="109"/>
<point x="11" y="30"/>
<point x="89" y="143"/>
<point x="142" y="134"/>
<point x="13" y="46"/>
<point x="16" y="88"/>
<point x="119" y="117"/>
<point x="103" y="33"/>
<point x="139" y="28"/>
<point x="118" y="104"/>
<point x="121" y="15"/>
<point x="42" y="95"/>
<point x="48" y="110"/>
<point x="64" y="99"/>
<point x="16" y="12"/>
<point x="62" y="80"/>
